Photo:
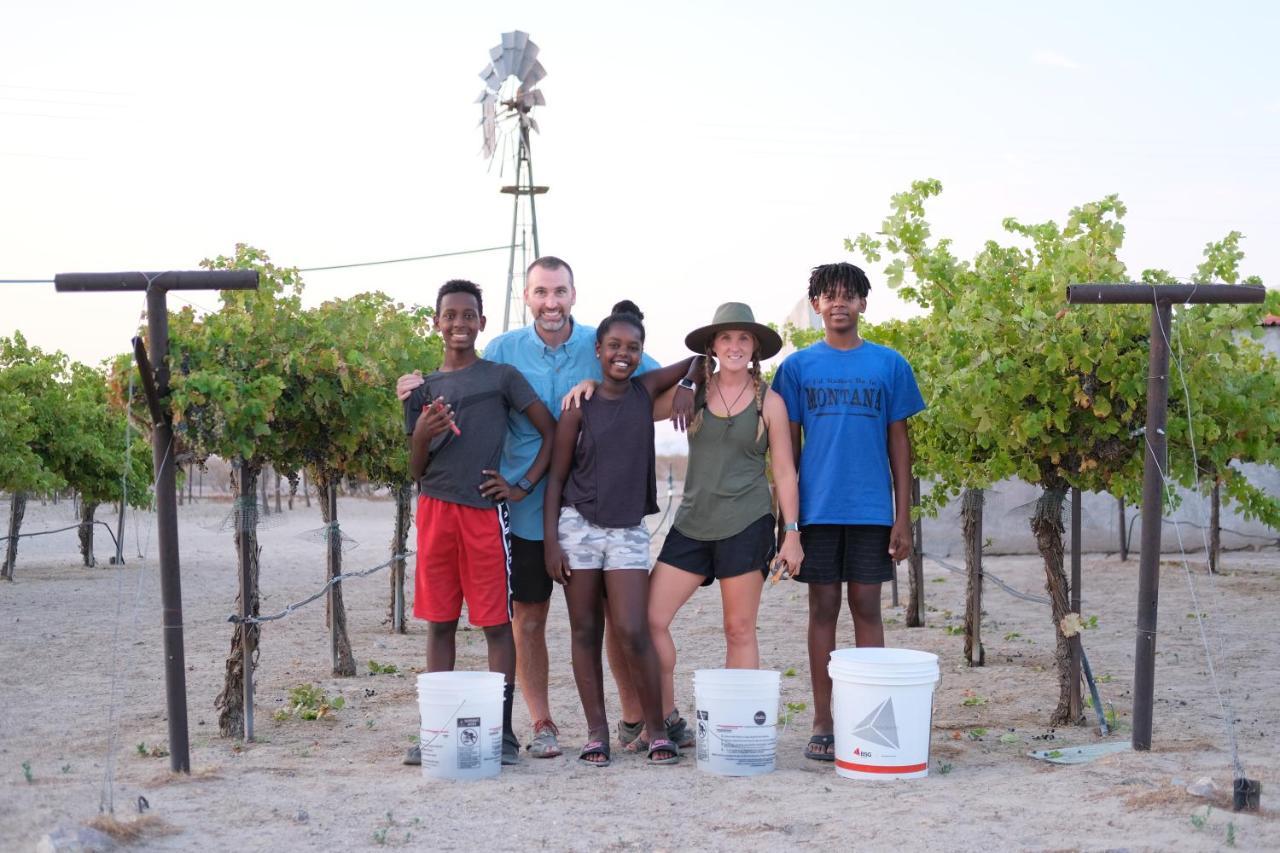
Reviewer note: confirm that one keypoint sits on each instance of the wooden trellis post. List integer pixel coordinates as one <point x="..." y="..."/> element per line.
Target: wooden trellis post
<point x="155" y="385"/>
<point x="1161" y="298"/>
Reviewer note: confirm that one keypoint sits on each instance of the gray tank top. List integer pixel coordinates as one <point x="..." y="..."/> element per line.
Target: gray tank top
<point x="612" y="481"/>
<point x="725" y="489"/>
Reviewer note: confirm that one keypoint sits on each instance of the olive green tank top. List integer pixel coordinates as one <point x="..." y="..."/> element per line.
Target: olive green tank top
<point x="725" y="489"/>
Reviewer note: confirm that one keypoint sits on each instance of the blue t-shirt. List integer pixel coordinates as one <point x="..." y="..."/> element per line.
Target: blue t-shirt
<point x="844" y="400"/>
<point x="551" y="372"/>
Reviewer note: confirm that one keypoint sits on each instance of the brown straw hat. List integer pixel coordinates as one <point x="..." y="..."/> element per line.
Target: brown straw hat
<point x="735" y="315"/>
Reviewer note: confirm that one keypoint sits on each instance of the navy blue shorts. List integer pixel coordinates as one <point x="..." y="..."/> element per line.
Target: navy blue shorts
<point x="845" y="553"/>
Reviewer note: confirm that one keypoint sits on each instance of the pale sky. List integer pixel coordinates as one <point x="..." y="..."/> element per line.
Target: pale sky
<point x="696" y="152"/>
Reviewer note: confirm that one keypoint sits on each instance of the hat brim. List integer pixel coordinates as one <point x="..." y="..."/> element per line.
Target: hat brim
<point x="770" y="342"/>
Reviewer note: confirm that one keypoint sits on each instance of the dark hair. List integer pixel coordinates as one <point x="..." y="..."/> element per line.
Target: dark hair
<point x="459" y="285"/>
<point x="625" y="311"/>
<point x="552" y="263"/>
<point x="830" y="279"/>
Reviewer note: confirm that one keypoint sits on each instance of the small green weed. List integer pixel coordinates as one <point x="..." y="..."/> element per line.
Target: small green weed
<point x="1012" y="635"/>
<point x="66" y="768"/>
<point x="308" y="702"/>
<point x="1009" y="739"/>
<point x="26" y="772"/>
<point x="1091" y="622"/>
<point x="792" y="709"/>
<point x="1105" y="679"/>
<point x="1231" y="834"/>
<point x="972" y="699"/>
<point x="938" y="580"/>
<point x="376" y="668"/>
<point x="1201" y="615"/>
<point x="977" y="733"/>
<point x="153" y="751"/>
<point x="790" y="672"/>
<point x="1199" y="821"/>
<point x="953" y="630"/>
<point x="944" y="768"/>
<point x="1055" y="753"/>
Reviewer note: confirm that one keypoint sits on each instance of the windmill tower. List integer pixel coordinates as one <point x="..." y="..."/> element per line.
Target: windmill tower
<point x="509" y="96"/>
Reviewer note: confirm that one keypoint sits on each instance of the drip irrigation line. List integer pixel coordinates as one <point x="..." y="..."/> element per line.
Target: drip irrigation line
<point x="62" y="530"/>
<point x="26" y="281"/>
<point x="1025" y="596"/>
<point x="1038" y="599"/>
<point x="237" y="619"/>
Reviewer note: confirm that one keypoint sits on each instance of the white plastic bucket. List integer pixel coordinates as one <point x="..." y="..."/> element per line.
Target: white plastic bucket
<point x="882" y="702"/>
<point x="737" y="720"/>
<point x="461" y="732"/>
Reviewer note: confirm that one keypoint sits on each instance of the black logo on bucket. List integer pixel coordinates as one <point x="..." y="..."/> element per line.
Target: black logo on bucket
<point x="468" y="722"/>
<point x="759" y="718"/>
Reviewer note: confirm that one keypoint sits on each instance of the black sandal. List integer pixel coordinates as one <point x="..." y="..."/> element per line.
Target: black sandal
<point x="510" y="749"/>
<point x="822" y="741"/>
<point x="595" y="747"/>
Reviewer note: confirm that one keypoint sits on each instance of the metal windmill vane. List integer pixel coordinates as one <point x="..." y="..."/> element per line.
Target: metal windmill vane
<point x="516" y="57"/>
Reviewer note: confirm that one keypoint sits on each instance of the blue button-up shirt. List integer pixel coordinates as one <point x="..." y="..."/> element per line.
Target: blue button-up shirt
<point x="551" y="372"/>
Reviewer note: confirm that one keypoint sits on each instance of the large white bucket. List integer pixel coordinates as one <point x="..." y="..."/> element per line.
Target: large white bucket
<point x="737" y="717"/>
<point x="882" y="702"/>
<point x="461" y="734"/>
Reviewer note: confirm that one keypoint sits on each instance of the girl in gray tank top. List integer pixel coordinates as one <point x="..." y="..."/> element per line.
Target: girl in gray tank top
<point x="600" y="486"/>
<point x="724" y="529"/>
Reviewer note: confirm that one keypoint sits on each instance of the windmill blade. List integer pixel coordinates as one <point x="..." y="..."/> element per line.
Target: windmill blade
<point x="495" y="52"/>
<point x="491" y="79"/>
<point x="533" y="123"/>
<point x="536" y="73"/>
<point x="519" y="38"/>
<point x="526" y="62"/>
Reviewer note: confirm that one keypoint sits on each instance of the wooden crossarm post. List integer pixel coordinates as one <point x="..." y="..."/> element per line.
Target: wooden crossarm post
<point x="1161" y="298"/>
<point x="156" y="285"/>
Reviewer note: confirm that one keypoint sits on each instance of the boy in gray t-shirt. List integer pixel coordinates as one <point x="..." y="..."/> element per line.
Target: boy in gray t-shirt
<point x="457" y="421"/>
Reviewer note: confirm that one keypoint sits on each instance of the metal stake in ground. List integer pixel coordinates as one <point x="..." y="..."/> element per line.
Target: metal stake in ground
<point x="1161" y="298"/>
<point x="156" y="385"/>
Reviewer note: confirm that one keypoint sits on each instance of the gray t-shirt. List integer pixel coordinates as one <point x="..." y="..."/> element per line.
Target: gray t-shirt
<point x="481" y="394"/>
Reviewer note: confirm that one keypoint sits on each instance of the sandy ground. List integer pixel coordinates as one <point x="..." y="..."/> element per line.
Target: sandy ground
<point x="72" y="633"/>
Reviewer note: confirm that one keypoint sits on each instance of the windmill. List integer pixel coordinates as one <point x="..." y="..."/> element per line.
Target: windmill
<point x="509" y="96"/>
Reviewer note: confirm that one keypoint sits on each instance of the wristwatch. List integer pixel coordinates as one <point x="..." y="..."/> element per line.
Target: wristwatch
<point x="686" y="382"/>
<point x="791" y="527"/>
<point x="524" y="485"/>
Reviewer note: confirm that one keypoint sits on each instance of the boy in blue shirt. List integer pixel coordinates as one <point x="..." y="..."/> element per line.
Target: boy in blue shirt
<point x="849" y="400"/>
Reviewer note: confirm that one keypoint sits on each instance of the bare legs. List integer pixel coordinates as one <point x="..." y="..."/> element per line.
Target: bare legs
<point x="824" y="613"/>
<point x="531" y="656"/>
<point x="627" y="605"/>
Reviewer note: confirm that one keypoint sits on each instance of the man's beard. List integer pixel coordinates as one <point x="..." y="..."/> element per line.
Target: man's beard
<point x="552" y="325"/>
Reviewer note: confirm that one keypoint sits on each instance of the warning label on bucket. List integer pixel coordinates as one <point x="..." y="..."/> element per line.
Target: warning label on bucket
<point x="468" y="748"/>
<point x="704" y="749"/>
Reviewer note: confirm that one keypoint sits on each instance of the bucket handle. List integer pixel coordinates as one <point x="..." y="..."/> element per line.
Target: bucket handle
<point x="440" y="728"/>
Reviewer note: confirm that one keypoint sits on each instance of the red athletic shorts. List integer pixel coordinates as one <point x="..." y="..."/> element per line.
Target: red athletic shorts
<point x="463" y="553"/>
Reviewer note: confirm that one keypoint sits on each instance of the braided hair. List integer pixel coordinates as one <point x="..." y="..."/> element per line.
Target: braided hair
<point x="707" y="372"/>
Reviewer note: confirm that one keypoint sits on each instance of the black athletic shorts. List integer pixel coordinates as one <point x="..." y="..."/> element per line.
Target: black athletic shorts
<point x="530" y="583"/>
<point x="844" y="553"/>
<point x="748" y="551"/>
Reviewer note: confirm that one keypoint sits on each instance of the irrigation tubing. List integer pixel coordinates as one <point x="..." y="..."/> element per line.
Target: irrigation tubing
<point x="64" y="530"/>
<point x="1038" y="599"/>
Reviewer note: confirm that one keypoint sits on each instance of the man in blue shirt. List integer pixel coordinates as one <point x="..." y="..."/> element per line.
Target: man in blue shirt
<point x="849" y="400"/>
<point x="554" y="353"/>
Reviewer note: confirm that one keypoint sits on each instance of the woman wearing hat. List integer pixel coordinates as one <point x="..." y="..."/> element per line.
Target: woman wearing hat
<point x="724" y="528"/>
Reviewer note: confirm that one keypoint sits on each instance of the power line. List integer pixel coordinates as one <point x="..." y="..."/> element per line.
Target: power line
<point x="404" y="260"/>
<point x="320" y="269"/>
